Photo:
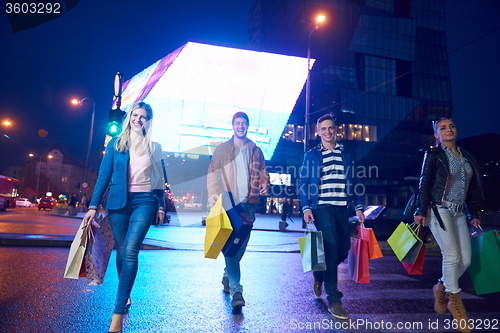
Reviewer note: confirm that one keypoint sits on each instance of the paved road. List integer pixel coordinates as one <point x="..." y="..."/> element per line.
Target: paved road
<point x="180" y="291"/>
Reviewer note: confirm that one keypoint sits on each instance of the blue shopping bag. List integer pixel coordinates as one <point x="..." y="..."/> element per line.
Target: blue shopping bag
<point x="240" y="223"/>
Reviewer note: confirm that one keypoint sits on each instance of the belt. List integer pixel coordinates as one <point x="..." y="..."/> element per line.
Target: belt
<point x="453" y="206"/>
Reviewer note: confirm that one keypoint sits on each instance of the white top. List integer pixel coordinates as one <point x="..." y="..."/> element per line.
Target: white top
<point x="242" y="174"/>
<point x="139" y="173"/>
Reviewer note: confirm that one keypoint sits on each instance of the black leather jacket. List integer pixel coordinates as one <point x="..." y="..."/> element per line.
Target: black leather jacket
<point x="435" y="173"/>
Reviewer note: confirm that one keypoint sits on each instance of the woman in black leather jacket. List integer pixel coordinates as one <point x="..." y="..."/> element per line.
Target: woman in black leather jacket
<point x="450" y="186"/>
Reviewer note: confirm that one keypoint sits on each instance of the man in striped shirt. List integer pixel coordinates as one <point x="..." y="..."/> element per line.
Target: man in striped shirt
<point x="327" y="191"/>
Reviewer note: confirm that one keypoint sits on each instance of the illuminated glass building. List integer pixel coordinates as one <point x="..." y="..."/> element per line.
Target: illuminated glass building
<point x="381" y="68"/>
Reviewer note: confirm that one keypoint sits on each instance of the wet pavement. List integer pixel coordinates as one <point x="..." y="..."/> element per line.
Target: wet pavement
<point x="180" y="291"/>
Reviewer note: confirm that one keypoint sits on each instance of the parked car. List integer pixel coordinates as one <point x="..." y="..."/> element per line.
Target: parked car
<point x="385" y="220"/>
<point x="46" y="202"/>
<point x="23" y="202"/>
<point x="63" y="203"/>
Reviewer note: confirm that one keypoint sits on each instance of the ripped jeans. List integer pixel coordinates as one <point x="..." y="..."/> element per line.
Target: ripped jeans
<point x="454" y="242"/>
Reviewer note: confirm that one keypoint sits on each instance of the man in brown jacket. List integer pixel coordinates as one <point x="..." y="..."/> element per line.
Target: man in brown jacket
<point x="238" y="166"/>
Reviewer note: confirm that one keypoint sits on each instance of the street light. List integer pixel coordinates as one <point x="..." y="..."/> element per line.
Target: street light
<point x="6" y="124"/>
<point x="84" y="196"/>
<point x="315" y="25"/>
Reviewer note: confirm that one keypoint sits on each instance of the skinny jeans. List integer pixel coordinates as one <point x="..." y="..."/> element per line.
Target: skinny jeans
<point x="130" y="225"/>
<point x="454" y="243"/>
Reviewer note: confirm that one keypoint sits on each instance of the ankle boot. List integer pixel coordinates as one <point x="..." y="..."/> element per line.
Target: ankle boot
<point x="439" y="298"/>
<point x="457" y="309"/>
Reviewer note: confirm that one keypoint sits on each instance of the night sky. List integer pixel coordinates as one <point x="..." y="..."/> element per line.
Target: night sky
<point x="78" y="54"/>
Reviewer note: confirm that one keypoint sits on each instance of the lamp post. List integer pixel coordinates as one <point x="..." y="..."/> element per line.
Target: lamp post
<point x="84" y="196"/>
<point x="315" y="24"/>
<point x="38" y="172"/>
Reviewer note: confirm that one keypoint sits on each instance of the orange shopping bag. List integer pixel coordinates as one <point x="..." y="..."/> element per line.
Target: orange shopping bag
<point x="369" y="235"/>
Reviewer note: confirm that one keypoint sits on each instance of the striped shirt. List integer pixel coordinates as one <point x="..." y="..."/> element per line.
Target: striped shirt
<point x="332" y="188"/>
<point x="460" y="176"/>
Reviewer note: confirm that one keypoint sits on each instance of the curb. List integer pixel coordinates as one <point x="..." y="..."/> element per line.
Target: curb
<point x="35" y="240"/>
<point x="31" y="240"/>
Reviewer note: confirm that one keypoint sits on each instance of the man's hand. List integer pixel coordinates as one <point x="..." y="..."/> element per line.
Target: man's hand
<point x="361" y="216"/>
<point x="212" y="199"/>
<point x="308" y="216"/>
<point x="263" y="190"/>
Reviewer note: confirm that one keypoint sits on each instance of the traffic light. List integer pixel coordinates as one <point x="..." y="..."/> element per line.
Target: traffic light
<point x="114" y="122"/>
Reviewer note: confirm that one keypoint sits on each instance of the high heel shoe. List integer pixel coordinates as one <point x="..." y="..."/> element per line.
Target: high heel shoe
<point x="121" y="320"/>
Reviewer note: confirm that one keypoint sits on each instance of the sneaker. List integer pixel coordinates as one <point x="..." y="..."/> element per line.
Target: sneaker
<point x="225" y="283"/>
<point x="337" y="311"/>
<point x="238" y="300"/>
<point x="317" y="288"/>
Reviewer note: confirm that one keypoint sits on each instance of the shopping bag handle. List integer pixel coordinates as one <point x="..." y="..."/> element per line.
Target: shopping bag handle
<point x="476" y="231"/>
<point x="416" y="228"/>
<point x="312" y="229"/>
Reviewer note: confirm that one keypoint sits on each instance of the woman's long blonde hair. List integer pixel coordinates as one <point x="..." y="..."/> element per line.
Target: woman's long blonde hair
<point x="122" y="142"/>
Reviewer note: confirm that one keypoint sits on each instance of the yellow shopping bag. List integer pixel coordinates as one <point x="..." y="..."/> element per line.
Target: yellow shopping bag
<point x="405" y="243"/>
<point x="218" y="230"/>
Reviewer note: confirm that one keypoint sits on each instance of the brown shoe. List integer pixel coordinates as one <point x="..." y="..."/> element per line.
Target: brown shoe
<point x="238" y="300"/>
<point x="338" y="311"/>
<point x="439" y="298"/>
<point x="317" y="288"/>
<point x="457" y="309"/>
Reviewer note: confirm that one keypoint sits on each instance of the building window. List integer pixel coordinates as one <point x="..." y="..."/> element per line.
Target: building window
<point x="293" y="132"/>
<point x="380" y="75"/>
<point x="357" y="132"/>
<point x="333" y="75"/>
<point x="64" y="179"/>
<point x="354" y="132"/>
<point x="386" y="5"/>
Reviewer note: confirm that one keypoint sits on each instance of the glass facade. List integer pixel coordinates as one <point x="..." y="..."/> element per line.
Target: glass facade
<point x="382" y="70"/>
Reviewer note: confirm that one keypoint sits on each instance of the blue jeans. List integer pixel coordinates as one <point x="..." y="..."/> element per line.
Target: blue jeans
<point x="454" y="243"/>
<point x="232" y="269"/>
<point x="130" y="225"/>
<point x="333" y="221"/>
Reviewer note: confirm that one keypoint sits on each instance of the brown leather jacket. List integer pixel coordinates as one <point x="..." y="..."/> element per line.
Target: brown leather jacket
<point x="224" y="155"/>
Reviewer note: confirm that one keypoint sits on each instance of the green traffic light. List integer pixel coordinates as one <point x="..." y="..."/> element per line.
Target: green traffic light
<point x="113" y="128"/>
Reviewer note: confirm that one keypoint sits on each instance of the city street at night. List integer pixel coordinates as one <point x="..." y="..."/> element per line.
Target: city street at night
<point x="324" y="111"/>
<point x="180" y="291"/>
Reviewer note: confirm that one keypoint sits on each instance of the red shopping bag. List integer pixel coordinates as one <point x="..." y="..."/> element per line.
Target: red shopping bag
<point x="368" y="234"/>
<point x="357" y="259"/>
<point x="418" y="267"/>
